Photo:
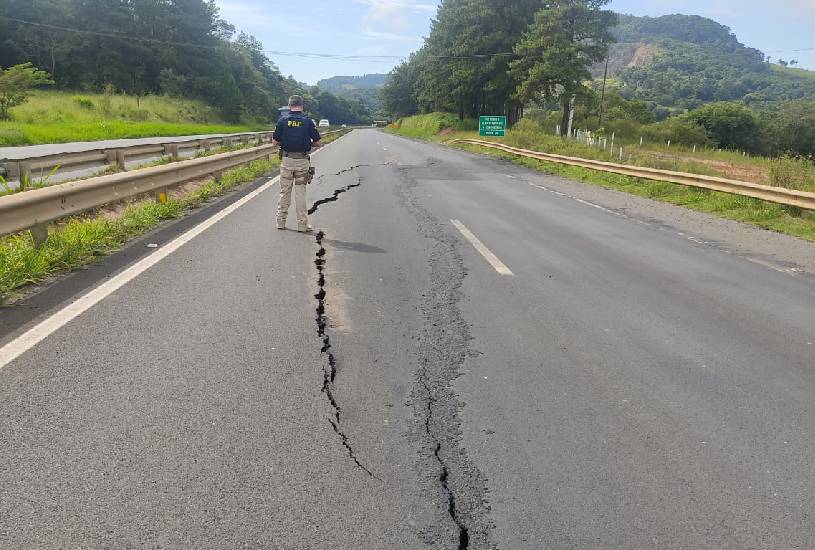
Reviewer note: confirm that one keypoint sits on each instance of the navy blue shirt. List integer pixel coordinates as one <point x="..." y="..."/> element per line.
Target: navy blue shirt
<point x="295" y="133"/>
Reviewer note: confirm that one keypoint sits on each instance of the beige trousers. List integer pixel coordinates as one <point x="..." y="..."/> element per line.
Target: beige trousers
<point x="293" y="175"/>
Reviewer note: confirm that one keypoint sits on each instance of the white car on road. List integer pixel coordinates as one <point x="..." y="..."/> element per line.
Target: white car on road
<point x="324" y="123"/>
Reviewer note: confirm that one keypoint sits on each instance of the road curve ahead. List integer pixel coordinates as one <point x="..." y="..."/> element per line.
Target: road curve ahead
<point x="466" y="355"/>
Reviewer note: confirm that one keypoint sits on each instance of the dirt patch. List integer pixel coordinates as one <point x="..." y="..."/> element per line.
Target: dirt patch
<point x="642" y="55"/>
<point x="446" y="132"/>
<point x="740" y="172"/>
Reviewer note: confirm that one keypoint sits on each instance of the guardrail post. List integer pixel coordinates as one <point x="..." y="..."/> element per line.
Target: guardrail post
<point x="116" y="159"/>
<point x="245" y="140"/>
<point x="171" y="150"/>
<point x="40" y="234"/>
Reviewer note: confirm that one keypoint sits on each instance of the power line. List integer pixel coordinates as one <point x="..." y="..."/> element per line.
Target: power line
<point x="312" y="55"/>
<point x="306" y="55"/>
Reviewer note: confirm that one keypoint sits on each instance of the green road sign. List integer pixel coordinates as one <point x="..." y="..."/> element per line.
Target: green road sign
<point x="492" y="125"/>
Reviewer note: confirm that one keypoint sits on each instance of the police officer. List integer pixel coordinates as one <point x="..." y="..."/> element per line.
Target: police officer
<point x="295" y="134"/>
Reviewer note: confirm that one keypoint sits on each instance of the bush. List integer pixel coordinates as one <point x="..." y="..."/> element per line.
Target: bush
<point x="16" y="84"/>
<point x="83" y="101"/>
<point x="729" y="125"/>
<point x="677" y="130"/>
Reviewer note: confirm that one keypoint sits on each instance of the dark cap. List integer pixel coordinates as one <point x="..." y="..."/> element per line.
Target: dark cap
<point x="296" y="101"/>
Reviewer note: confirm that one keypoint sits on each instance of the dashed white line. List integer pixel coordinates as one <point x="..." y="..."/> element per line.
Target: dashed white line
<point x="493" y="260"/>
<point x="787" y="271"/>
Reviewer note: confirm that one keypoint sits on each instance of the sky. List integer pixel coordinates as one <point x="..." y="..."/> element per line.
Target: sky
<point x="395" y="28"/>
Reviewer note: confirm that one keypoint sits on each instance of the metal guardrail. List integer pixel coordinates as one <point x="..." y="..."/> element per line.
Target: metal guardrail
<point x="779" y="195"/>
<point x="36" y="208"/>
<point x="19" y="168"/>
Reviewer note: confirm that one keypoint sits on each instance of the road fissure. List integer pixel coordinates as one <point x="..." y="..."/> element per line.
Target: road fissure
<point x="330" y="371"/>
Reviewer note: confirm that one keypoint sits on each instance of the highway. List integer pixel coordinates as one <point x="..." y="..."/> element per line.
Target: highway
<point x="467" y="354"/>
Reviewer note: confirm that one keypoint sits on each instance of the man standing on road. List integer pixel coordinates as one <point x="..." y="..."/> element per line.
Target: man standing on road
<point x="295" y="134"/>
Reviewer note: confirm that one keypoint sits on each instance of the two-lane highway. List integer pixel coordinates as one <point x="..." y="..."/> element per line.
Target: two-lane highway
<point x="469" y="355"/>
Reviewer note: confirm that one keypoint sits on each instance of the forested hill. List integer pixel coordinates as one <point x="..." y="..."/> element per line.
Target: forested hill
<point x="343" y="84"/>
<point x="684" y="61"/>
<point x="173" y="47"/>
<point x="364" y="88"/>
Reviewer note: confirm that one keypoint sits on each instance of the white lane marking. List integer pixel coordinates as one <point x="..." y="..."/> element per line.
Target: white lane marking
<point x="787" y="271"/>
<point x="497" y="264"/>
<point x="43" y="330"/>
<point x="40" y="332"/>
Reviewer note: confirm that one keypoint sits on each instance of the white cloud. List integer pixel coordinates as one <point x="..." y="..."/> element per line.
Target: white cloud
<point x="392" y="12"/>
<point x="390" y="36"/>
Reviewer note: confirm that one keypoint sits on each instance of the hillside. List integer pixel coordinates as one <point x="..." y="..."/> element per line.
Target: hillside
<point x="343" y="84"/>
<point x="356" y="88"/>
<point x="680" y="62"/>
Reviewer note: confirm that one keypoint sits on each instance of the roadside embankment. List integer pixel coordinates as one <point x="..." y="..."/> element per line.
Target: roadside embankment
<point x="775" y="217"/>
<point x="77" y="241"/>
<point x="61" y="117"/>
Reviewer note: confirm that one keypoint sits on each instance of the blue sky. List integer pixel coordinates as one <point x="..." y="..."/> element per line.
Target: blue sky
<point x="396" y="27"/>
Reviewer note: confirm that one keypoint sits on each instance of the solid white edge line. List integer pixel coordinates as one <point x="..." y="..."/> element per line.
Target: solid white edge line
<point x="43" y="330"/>
<point x="493" y="260"/>
<point x="40" y="332"/>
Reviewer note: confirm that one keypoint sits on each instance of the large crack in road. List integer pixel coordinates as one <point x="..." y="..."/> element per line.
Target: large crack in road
<point x="443" y="348"/>
<point x="330" y="369"/>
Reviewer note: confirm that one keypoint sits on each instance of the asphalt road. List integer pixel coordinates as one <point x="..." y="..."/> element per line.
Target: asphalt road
<point x="468" y="355"/>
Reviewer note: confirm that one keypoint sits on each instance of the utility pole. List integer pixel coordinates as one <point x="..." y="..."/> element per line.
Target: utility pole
<point x="603" y="94"/>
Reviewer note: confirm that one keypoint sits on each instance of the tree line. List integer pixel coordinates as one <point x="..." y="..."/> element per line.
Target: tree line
<point x="495" y="56"/>
<point x="488" y="57"/>
<point x="174" y="47"/>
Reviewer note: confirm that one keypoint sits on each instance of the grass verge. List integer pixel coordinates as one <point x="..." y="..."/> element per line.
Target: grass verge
<point x="775" y="217"/>
<point x="59" y="117"/>
<point x="14" y="134"/>
<point x="78" y="241"/>
<point x="528" y="134"/>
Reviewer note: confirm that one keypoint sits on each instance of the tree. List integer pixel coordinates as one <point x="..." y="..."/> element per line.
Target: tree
<point x="463" y="66"/>
<point x="15" y="86"/>
<point x="398" y="95"/>
<point x="729" y="125"/>
<point x="555" y="53"/>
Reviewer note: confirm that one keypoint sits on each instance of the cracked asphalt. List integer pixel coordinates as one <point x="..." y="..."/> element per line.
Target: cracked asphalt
<point x="642" y="379"/>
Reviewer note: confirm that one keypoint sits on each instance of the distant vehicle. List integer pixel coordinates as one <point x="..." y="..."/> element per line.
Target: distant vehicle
<point x="345" y="126"/>
<point x="324" y="123"/>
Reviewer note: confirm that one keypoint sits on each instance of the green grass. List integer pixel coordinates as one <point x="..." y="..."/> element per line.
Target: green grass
<point x="528" y="134"/>
<point x="775" y="217"/>
<point x="80" y="240"/>
<point x="429" y="125"/>
<point x="785" y="172"/>
<point x="59" y="117"/>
